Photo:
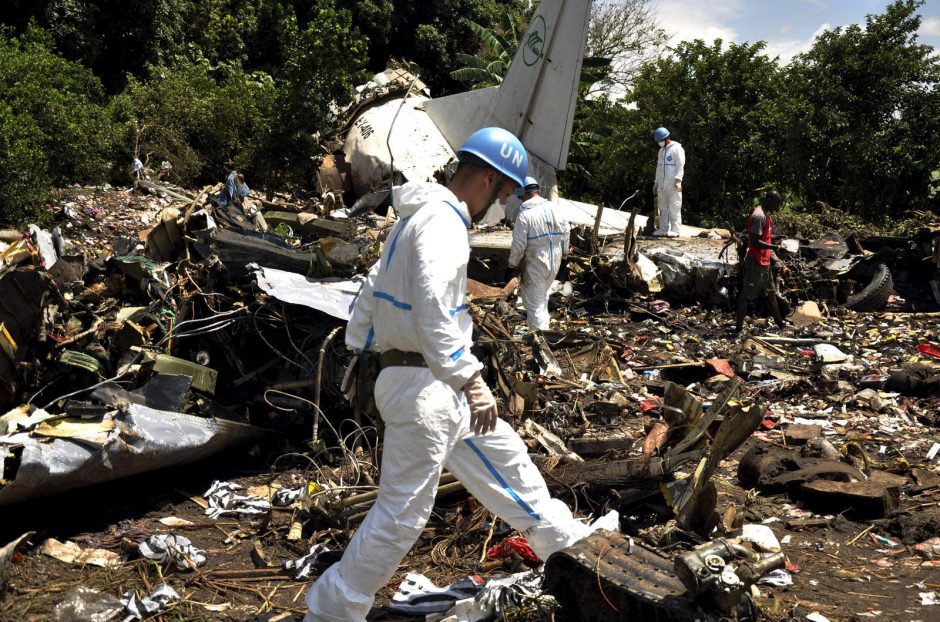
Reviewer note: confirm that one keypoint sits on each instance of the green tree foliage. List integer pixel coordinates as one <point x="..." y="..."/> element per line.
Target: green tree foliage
<point x="718" y="101"/>
<point x="431" y="34"/>
<point x="202" y="125"/>
<point x="853" y="123"/>
<point x="499" y="48"/>
<point x="63" y="99"/>
<point x="864" y="114"/>
<point x="23" y="175"/>
<point x="207" y="84"/>
<point x="205" y="119"/>
<point x="111" y="37"/>
<point x="54" y="124"/>
<point x="322" y="62"/>
<point x="212" y="84"/>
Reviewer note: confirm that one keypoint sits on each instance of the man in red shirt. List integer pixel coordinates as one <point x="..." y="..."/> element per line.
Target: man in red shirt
<point x="758" y="279"/>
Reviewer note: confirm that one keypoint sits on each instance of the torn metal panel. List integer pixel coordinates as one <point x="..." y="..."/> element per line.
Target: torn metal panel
<point x="6" y="557"/>
<point x="689" y="277"/>
<point x="304" y="222"/>
<point x="398" y="129"/>
<point x="81" y="361"/>
<point x="609" y="577"/>
<point x="552" y="444"/>
<point x="161" y="392"/>
<point x="143" y="440"/>
<point x="333" y="174"/>
<point x="237" y="250"/>
<point x="334" y="297"/>
<point x="613" y="222"/>
<point x="548" y="364"/>
<point x="165" y="239"/>
<point x="43" y="240"/>
<point x="68" y="271"/>
<point x="204" y="378"/>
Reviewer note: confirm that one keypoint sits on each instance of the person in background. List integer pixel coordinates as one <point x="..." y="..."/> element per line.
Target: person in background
<point x="667" y="187"/>
<point x="758" y="277"/>
<point x="539" y="246"/>
<point x="235" y="192"/>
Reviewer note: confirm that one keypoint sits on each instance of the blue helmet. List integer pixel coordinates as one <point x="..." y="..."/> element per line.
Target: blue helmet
<point x="501" y="150"/>
<point x="660" y="134"/>
<point x="531" y="183"/>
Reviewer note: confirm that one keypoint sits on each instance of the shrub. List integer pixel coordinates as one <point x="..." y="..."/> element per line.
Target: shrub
<point x="23" y="174"/>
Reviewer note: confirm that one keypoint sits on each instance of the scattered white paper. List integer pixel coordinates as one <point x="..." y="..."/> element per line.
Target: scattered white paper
<point x="762" y="536"/>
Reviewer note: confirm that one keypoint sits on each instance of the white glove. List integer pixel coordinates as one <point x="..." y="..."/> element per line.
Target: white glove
<point x="482" y="405"/>
<point x="678" y="185"/>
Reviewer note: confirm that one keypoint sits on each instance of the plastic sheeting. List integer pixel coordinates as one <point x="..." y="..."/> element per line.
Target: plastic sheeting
<point x="334" y="297"/>
<point x="143" y="439"/>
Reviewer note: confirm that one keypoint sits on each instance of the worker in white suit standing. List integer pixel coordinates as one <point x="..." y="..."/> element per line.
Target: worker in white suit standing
<point x="670" y="167"/>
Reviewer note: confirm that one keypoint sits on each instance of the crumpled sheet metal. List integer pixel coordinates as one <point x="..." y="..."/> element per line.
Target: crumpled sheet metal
<point x="143" y="440"/>
<point x="689" y="277"/>
<point x="334" y="297"/>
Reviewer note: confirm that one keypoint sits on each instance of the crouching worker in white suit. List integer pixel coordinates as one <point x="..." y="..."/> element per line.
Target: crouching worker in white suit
<point x="539" y="245"/>
<point x="438" y="411"/>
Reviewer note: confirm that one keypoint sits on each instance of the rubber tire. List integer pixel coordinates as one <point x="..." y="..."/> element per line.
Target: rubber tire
<point x="875" y="295"/>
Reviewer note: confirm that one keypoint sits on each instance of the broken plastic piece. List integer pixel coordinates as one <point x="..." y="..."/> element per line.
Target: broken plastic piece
<point x="83" y="604"/>
<point x="177" y="549"/>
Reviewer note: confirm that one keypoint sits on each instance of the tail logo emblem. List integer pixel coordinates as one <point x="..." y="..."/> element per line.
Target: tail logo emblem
<point x="534" y="43"/>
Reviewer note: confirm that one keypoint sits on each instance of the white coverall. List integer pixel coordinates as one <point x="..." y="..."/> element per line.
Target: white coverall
<point x="540" y="237"/>
<point x="670" y="166"/>
<point x="413" y="300"/>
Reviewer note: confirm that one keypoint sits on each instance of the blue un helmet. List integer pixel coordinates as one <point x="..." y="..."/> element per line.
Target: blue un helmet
<point x="501" y="150"/>
<point x="531" y="183"/>
<point x="660" y="134"/>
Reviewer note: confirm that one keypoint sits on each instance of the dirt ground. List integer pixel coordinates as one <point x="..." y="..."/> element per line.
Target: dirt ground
<point x="837" y="569"/>
<point x="843" y="568"/>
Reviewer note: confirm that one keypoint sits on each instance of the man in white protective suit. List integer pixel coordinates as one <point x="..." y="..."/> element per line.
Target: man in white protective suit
<point x="539" y="245"/>
<point x="437" y="409"/>
<point x="670" y="167"/>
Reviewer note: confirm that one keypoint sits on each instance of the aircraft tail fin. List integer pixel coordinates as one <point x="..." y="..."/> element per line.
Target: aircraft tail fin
<point x="537" y="98"/>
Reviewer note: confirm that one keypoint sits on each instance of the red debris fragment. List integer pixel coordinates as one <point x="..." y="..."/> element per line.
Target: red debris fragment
<point x="930" y="349"/>
<point x="722" y="366"/>
<point x="517" y="545"/>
